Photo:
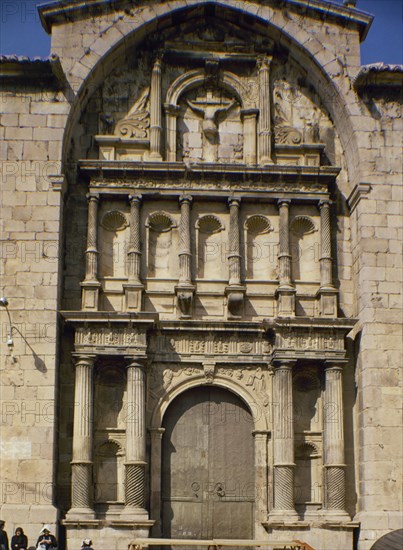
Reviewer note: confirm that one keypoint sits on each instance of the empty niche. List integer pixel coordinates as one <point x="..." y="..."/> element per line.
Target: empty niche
<point x="305" y="249"/>
<point x="307" y="402"/>
<point x="110" y="386"/>
<point x="308" y="479"/>
<point x="211" y="260"/>
<point x="112" y="244"/>
<point x="258" y="253"/>
<point x="162" y="246"/>
<point x="109" y="458"/>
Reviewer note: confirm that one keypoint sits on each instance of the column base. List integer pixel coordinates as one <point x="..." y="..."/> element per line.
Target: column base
<point x="286" y="301"/>
<point x="90" y="295"/>
<point x="133" y="296"/>
<point x="327" y="297"/>
<point x="285" y="516"/>
<point x="133" y="513"/>
<point x="338" y="516"/>
<point x="77" y="514"/>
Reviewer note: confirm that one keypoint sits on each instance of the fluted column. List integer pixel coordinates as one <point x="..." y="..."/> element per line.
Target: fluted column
<point x="264" y="106"/>
<point x="155" y="479"/>
<point x="249" y="117"/>
<point x="171" y="113"/>
<point x="286" y="290"/>
<point x="82" y="466"/>
<point x="133" y="288"/>
<point x="135" y="441"/>
<point x="327" y="291"/>
<point x="91" y="285"/>
<point x="284" y="465"/>
<point x="333" y="436"/>
<point x="155" y="111"/>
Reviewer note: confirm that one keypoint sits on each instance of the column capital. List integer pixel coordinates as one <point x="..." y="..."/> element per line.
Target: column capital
<point x="84" y="359"/>
<point x="287" y="364"/>
<point x="264" y="62"/>
<point x="135" y="361"/>
<point x="171" y="109"/>
<point x="261" y="434"/>
<point x="156" y="433"/>
<point x="249" y="112"/>
<point x="92" y="196"/>
<point x="234" y="201"/>
<point x="335" y="364"/>
<point x="324" y="202"/>
<point x="280" y="202"/>
<point x="185" y="198"/>
<point x="136" y="198"/>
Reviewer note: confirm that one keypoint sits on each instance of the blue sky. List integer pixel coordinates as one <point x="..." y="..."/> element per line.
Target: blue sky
<point x="21" y="31"/>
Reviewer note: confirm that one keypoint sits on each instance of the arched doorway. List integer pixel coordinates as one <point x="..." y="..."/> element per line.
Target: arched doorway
<point x="208" y="483"/>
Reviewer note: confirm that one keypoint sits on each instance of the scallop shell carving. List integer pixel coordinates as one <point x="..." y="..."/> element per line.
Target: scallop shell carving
<point x="306" y="450"/>
<point x="302" y="225"/>
<point x="209" y="224"/>
<point x="258" y="225"/>
<point x="114" y="221"/>
<point x="160" y="222"/>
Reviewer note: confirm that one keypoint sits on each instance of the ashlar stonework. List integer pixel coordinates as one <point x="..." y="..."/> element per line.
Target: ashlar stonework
<point x="201" y="215"/>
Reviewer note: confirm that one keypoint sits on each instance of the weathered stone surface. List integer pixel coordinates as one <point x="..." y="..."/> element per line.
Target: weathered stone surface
<point x="215" y="269"/>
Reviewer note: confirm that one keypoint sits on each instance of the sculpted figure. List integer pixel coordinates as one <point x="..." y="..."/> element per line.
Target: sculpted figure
<point x="210" y="115"/>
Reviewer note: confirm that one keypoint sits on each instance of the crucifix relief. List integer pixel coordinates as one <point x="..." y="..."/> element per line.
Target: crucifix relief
<point x="213" y="109"/>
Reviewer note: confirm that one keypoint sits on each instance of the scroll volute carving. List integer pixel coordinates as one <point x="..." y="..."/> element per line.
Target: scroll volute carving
<point x="136" y="124"/>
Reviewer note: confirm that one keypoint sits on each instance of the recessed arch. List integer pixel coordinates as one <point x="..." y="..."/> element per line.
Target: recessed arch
<point x="310" y="53"/>
<point x="257" y="408"/>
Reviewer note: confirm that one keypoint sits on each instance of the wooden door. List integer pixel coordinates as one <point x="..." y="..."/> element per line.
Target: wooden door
<point x="208" y="466"/>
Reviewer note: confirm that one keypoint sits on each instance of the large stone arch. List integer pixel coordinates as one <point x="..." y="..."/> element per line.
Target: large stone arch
<point x="256" y="408"/>
<point x="319" y="62"/>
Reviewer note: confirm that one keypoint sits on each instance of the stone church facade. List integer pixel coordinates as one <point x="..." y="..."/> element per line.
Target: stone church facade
<point x="201" y="252"/>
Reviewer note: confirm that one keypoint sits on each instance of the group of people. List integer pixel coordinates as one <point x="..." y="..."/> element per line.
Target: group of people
<point x="46" y="541"/>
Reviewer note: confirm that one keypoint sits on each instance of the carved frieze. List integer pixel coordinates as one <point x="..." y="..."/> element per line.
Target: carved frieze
<point x="206" y="344"/>
<point x="305" y="339"/>
<point x="254" y="378"/>
<point x="110" y="337"/>
<point x="219" y="186"/>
